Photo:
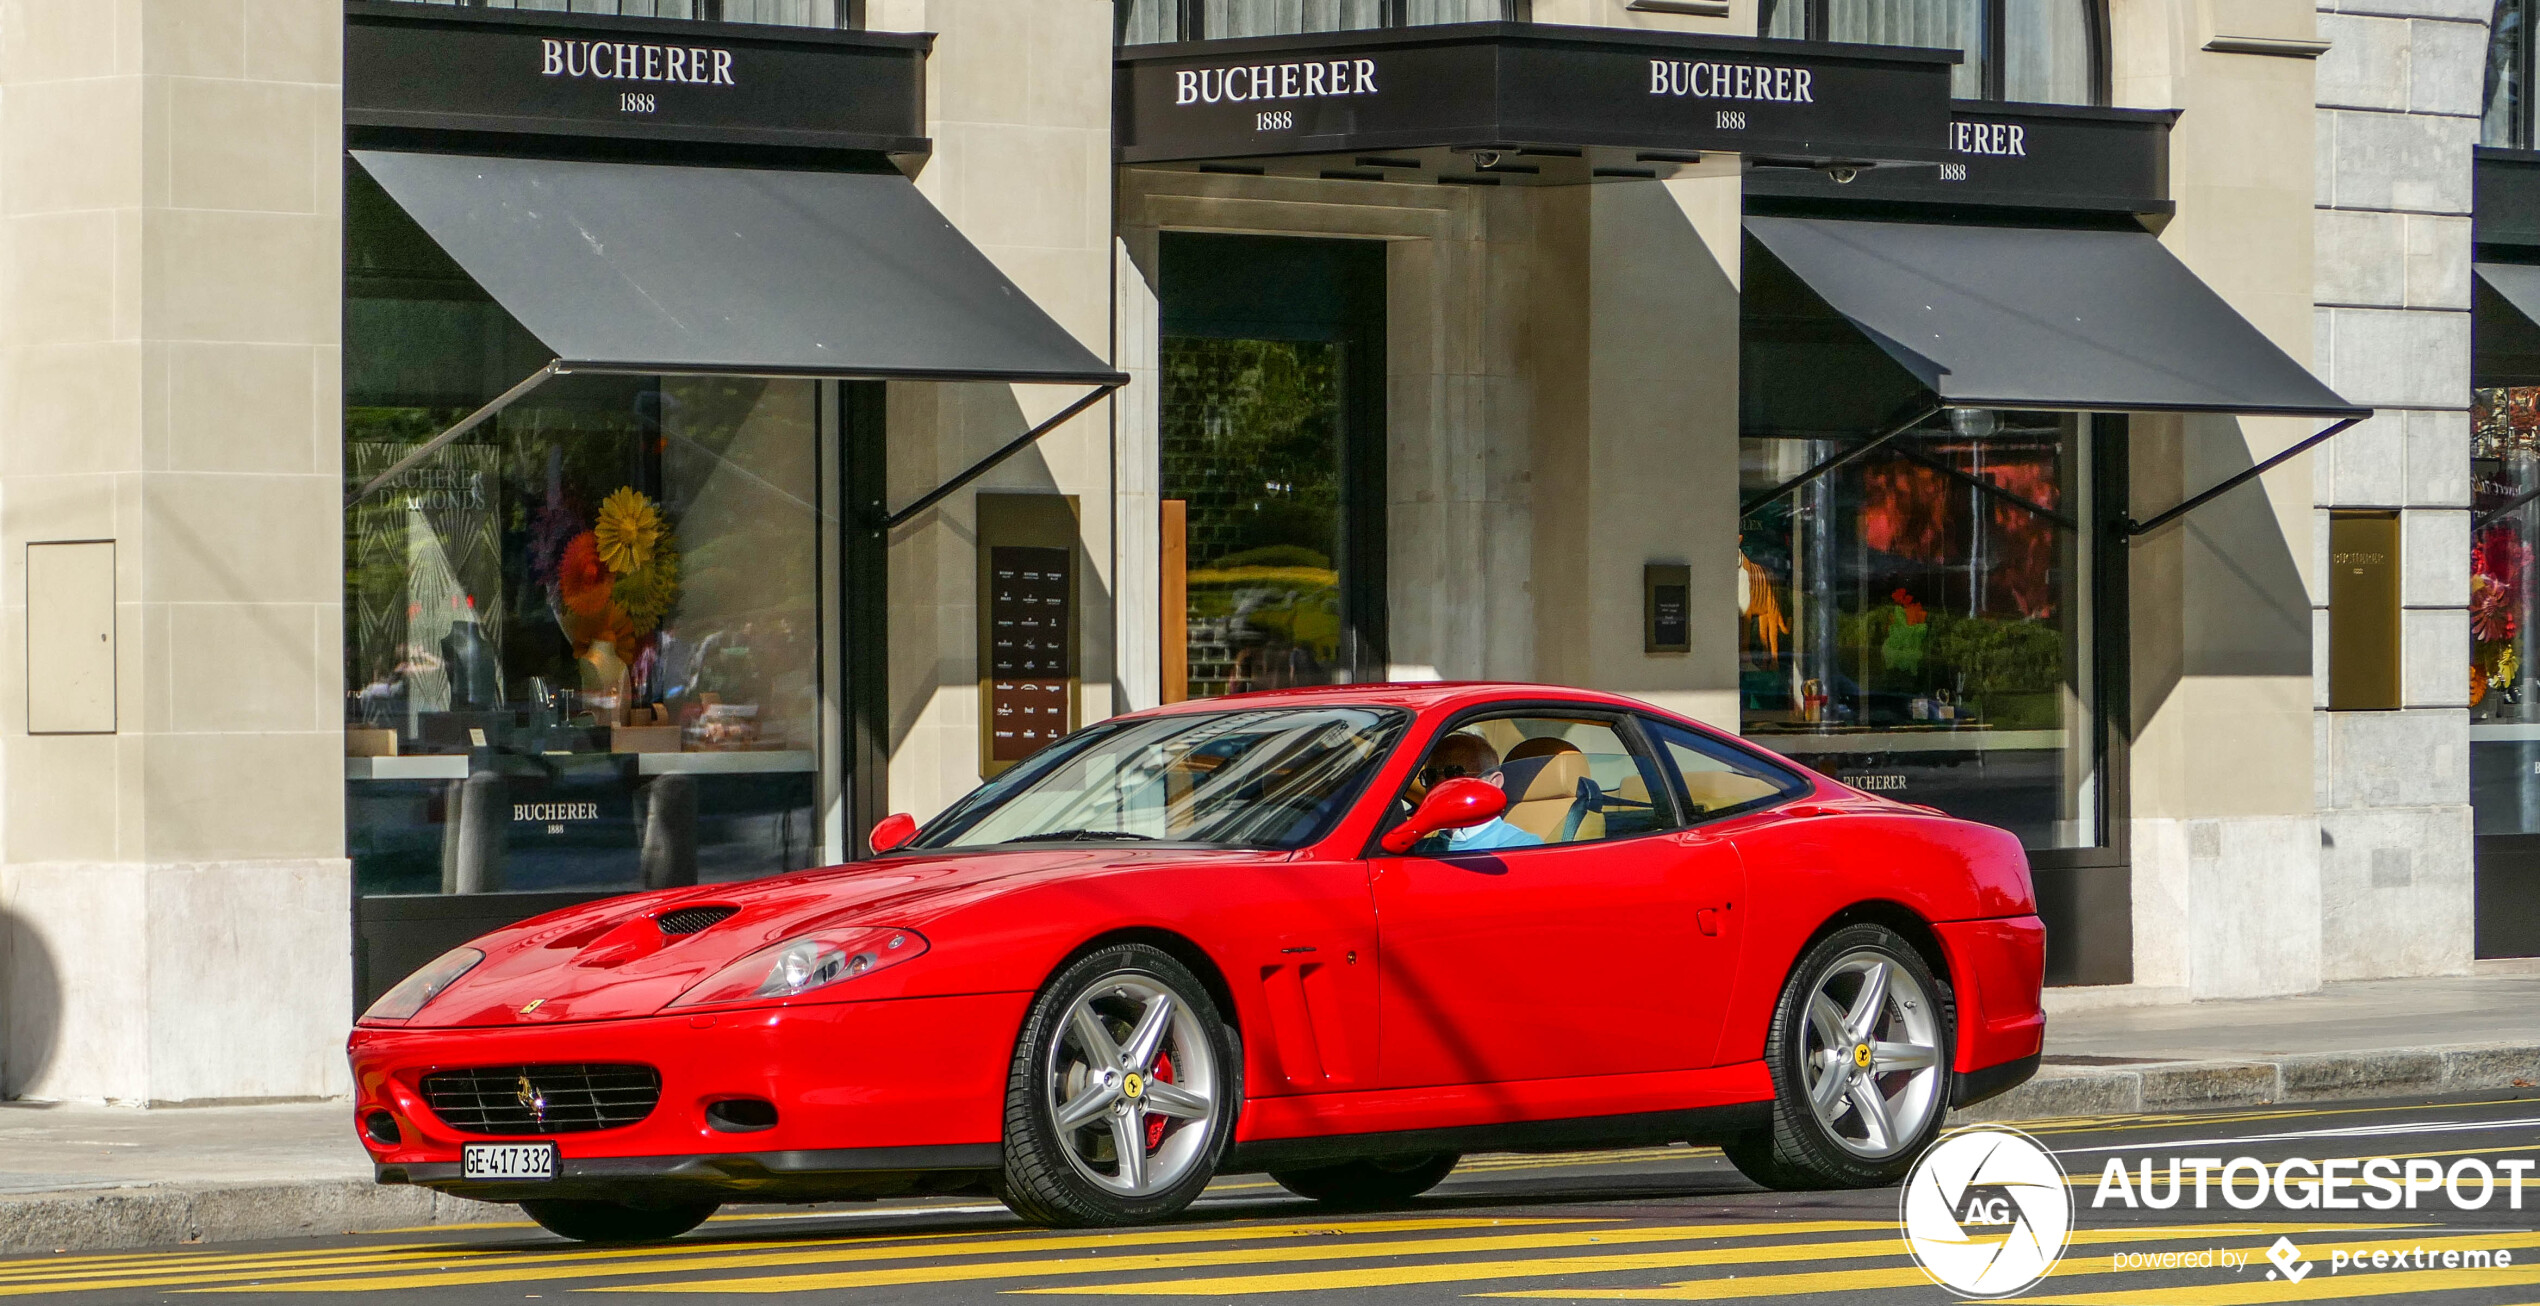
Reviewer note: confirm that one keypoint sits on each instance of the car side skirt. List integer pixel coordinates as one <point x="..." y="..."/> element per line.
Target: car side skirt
<point x="1973" y="1086"/>
<point x="1712" y="1124"/>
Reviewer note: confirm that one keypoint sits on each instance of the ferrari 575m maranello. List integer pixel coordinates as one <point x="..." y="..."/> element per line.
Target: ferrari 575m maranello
<point x="1339" y="935"/>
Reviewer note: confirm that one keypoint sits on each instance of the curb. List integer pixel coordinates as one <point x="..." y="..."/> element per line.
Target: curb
<point x="164" y="1215"/>
<point x="2153" y="1085"/>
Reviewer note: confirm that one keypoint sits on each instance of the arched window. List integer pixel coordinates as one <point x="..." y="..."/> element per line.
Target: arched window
<point x="2505" y="112"/>
<point x="2029" y="51"/>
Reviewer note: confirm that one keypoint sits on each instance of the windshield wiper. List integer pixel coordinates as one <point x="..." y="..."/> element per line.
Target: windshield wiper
<point x="1076" y="836"/>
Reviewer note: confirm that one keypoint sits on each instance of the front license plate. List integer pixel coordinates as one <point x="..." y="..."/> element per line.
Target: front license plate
<point x="507" y="1161"/>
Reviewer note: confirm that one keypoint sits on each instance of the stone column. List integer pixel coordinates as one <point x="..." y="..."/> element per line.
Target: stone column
<point x="173" y="884"/>
<point x="2399" y="94"/>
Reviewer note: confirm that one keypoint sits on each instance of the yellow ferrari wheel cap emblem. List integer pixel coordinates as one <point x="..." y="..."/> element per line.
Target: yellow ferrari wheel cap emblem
<point x="1861" y="1055"/>
<point x="1132" y="1086"/>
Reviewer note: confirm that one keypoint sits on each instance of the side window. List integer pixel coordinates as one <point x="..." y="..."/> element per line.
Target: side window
<point x="1719" y="779"/>
<point x="1569" y="780"/>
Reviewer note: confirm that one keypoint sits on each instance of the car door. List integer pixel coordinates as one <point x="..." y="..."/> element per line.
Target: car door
<point x="1581" y="950"/>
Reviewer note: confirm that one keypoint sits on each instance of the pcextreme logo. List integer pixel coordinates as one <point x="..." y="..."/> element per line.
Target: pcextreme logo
<point x="1987" y="1212"/>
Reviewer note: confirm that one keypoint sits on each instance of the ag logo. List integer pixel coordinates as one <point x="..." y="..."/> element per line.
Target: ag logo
<point x="1987" y="1212"/>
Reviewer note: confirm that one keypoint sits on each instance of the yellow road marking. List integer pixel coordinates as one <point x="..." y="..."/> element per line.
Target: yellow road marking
<point x="2157" y="1120"/>
<point x="2320" y="1285"/>
<point x="1391" y="1276"/>
<point x="1904" y="1276"/>
<point x="1244" y="1256"/>
<point x="15" y="1271"/>
<point x="635" y="1260"/>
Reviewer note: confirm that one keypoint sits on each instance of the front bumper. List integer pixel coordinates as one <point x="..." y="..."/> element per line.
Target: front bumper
<point x="870" y="1098"/>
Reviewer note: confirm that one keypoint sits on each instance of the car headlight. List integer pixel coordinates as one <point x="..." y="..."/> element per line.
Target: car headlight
<point x="410" y="995"/>
<point x="804" y="964"/>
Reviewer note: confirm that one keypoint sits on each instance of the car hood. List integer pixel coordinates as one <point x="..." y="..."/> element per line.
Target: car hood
<point x="611" y="960"/>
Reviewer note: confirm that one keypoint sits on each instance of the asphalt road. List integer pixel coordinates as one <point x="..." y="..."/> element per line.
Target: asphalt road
<point x="1666" y="1224"/>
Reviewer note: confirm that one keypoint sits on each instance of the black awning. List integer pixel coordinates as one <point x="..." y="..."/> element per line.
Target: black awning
<point x="2045" y="318"/>
<point x="658" y="268"/>
<point x="2505" y="325"/>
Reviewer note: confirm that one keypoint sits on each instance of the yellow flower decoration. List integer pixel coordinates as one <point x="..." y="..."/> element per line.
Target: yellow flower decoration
<point x="628" y="531"/>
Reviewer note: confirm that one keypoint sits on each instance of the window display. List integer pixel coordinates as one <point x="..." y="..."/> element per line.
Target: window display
<point x="581" y="639"/>
<point x="2504" y="711"/>
<point x="1920" y="622"/>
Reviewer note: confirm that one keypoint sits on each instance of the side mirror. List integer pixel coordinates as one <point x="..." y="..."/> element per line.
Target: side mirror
<point x="892" y="833"/>
<point x="1451" y="805"/>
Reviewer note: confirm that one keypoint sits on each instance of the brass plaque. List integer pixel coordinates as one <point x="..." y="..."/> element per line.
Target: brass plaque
<point x="2363" y="611"/>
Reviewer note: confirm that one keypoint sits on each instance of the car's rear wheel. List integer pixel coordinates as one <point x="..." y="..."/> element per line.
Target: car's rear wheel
<point x="1122" y="1094"/>
<point x="1381" y="1181"/>
<point x="616" y="1222"/>
<point x="1859" y="1052"/>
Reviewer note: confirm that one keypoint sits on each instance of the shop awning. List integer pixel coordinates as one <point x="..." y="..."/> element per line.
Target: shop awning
<point x="2039" y="318"/>
<point x="2505" y="325"/>
<point x="658" y="268"/>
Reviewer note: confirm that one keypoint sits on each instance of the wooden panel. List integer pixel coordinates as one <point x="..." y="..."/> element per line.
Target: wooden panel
<point x="1173" y="618"/>
<point x="70" y="638"/>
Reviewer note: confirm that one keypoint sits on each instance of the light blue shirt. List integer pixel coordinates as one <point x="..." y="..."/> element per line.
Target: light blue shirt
<point x="1491" y="834"/>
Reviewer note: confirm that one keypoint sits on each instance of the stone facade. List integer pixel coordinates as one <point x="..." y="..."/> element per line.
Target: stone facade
<point x="2399" y="93"/>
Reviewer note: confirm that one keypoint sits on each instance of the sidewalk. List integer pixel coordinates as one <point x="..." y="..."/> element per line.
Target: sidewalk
<point x="83" y="1177"/>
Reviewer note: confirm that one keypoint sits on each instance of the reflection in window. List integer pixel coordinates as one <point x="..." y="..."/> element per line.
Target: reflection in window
<point x="1252" y="445"/>
<point x="842" y="14"/>
<point x="2505" y="111"/>
<point x="1914" y="624"/>
<point x="579" y="640"/>
<point x="1930" y="24"/>
<point x="1148" y="22"/>
<point x="2504" y="709"/>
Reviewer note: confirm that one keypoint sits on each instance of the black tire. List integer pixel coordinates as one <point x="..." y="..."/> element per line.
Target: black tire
<point x="1799" y="1152"/>
<point x="616" y="1222"/>
<point x="1045" y="1180"/>
<point x="1359" y="1185"/>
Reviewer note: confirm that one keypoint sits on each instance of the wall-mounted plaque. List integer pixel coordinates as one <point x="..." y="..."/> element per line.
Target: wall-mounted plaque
<point x="1027" y="625"/>
<point x="1666" y="602"/>
<point x="2363" y="611"/>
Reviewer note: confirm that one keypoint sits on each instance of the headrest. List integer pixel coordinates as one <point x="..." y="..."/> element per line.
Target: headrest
<point x="1545" y="777"/>
<point x="1540" y="746"/>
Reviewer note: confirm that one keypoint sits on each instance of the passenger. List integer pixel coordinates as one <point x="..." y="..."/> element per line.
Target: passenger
<point x="1471" y="755"/>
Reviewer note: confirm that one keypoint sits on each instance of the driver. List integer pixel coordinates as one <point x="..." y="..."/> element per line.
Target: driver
<point x="1462" y="755"/>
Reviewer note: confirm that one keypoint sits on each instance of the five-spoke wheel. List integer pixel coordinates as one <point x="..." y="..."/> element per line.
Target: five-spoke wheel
<point x="1859" y="1053"/>
<point x="1123" y="1095"/>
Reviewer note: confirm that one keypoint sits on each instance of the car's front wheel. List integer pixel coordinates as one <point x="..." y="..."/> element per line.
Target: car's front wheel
<point x="1381" y="1181"/>
<point x="1122" y="1094"/>
<point x="1859" y="1052"/>
<point x="616" y="1222"/>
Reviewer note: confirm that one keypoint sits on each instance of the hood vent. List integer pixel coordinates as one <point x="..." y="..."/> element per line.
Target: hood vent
<point x="689" y="920"/>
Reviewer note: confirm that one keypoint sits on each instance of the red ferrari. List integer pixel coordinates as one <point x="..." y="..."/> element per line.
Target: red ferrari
<point x="1339" y="935"/>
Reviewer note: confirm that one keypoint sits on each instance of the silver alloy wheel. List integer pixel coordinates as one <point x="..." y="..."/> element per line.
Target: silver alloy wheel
<point x="1105" y="1093"/>
<point x="1870" y="1055"/>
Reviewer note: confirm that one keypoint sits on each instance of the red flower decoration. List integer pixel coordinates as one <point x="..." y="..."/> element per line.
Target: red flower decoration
<point x="582" y="580"/>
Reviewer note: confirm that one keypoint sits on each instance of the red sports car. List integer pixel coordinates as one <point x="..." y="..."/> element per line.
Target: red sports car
<point x="1339" y="935"/>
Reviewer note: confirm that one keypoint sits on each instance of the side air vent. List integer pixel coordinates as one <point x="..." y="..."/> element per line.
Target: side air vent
<point x="689" y="920"/>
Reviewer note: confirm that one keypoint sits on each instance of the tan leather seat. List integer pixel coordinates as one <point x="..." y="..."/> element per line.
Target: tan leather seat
<point x="1712" y="791"/>
<point x="1542" y="787"/>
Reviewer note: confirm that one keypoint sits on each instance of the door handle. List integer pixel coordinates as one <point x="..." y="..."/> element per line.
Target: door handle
<point x="1707" y="920"/>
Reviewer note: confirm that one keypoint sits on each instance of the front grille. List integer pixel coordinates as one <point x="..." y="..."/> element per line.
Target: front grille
<point x="560" y="1099"/>
<point x="689" y="920"/>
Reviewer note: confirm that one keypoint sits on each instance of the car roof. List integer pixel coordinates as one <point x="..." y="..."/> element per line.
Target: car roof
<point x="1416" y="695"/>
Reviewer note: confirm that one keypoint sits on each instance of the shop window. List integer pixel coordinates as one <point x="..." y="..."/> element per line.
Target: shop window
<point x="1148" y="22"/>
<point x="1923" y="622"/>
<point x="2505" y="117"/>
<point x="1271" y="421"/>
<point x="2026" y="51"/>
<point x="581" y="640"/>
<point x="2504" y="710"/>
<point x="840" y="14"/>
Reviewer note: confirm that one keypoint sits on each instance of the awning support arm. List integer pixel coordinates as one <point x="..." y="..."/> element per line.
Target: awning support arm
<point x="1839" y="461"/>
<point x="2135" y="528"/>
<point x="1972" y="481"/>
<point x="466" y="424"/>
<point x="989" y="463"/>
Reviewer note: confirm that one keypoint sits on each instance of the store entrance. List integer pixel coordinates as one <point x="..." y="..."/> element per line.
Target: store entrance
<point x="1273" y="456"/>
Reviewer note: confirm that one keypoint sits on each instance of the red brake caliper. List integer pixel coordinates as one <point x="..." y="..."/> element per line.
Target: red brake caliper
<point x="1156" y="1124"/>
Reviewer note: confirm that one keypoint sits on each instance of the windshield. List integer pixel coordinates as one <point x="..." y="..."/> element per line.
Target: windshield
<point x="1267" y="778"/>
